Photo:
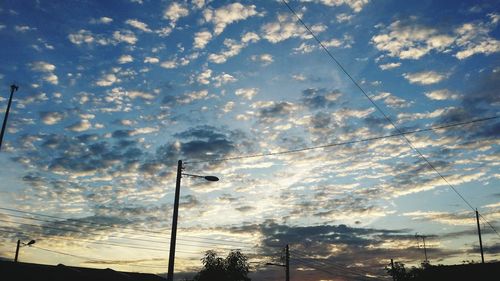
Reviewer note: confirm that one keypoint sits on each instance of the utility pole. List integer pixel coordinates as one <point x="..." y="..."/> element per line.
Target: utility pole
<point x="287" y="263"/>
<point x="17" y="249"/>
<point x="173" y="236"/>
<point x="392" y="271"/>
<point x="479" y="233"/>
<point x="425" y="248"/>
<point x="13" y="88"/>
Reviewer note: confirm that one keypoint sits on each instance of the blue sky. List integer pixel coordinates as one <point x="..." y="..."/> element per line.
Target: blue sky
<point x="113" y="93"/>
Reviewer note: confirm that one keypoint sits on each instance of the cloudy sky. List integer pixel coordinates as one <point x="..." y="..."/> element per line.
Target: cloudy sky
<point x="113" y="93"/>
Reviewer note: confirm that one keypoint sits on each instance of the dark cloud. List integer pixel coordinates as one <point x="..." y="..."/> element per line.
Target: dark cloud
<point x="203" y="143"/>
<point x="275" y="111"/>
<point x="481" y="99"/>
<point x="314" y="98"/>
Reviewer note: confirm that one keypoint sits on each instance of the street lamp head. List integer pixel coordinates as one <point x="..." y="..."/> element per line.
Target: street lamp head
<point x="31" y="242"/>
<point x="211" y="178"/>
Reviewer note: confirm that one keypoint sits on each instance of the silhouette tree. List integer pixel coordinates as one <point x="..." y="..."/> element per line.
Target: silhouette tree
<point x="234" y="267"/>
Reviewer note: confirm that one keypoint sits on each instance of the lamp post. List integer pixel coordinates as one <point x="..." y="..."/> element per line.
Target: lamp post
<point x="173" y="235"/>
<point x="31" y="242"/>
<point x="13" y="88"/>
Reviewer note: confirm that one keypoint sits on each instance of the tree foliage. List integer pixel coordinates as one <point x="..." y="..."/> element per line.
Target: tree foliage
<point x="234" y="267"/>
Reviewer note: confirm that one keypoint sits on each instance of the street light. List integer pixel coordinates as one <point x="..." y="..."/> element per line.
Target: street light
<point x="13" y="88"/>
<point x="31" y="242"/>
<point x="171" y="259"/>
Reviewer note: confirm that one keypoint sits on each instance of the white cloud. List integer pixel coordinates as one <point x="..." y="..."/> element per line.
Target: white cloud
<point x="125" y="59"/>
<point x="228" y="14"/>
<point x="201" y="39"/>
<point x="223" y="78"/>
<point x="190" y="97"/>
<point x="464" y="218"/>
<point x="443" y="94"/>
<point x="424" y="115"/>
<point x="304" y="48"/>
<point x="228" y="107"/>
<point x="233" y="47"/>
<point x="52" y="118"/>
<point x="125" y="36"/>
<point x="250" y="37"/>
<point x="198" y="3"/>
<point x="391" y="100"/>
<point x="345" y="42"/>
<point x="151" y="60"/>
<point x="48" y="69"/>
<point x="287" y="27"/>
<point x="355" y="5"/>
<point x="474" y="39"/>
<point x="144" y="130"/>
<point x="107" y="80"/>
<point x="164" y="31"/>
<point x="247" y="93"/>
<point x="390" y="65"/>
<point x="299" y="77"/>
<point x="264" y="59"/>
<point x="80" y="37"/>
<point x="138" y="24"/>
<point x="101" y="20"/>
<point x="51" y="78"/>
<point x="425" y="77"/>
<point x="174" y="12"/>
<point x="204" y="77"/>
<point x="411" y="41"/>
<point x="42" y="66"/>
<point x="343" y="17"/>
<point x="81" y="126"/>
<point x="23" y="28"/>
<point x="169" y="64"/>
<point x="139" y="94"/>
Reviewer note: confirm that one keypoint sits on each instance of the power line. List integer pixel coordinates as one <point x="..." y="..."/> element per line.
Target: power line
<point x="306" y="255"/>
<point x="325" y="263"/>
<point x="439" y="127"/>
<point x="164" y="235"/>
<point x="93" y="259"/>
<point x="315" y="265"/>
<point x="481" y="216"/>
<point x="124" y="245"/>
<point x="410" y="144"/>
<point x="224" y="247"/>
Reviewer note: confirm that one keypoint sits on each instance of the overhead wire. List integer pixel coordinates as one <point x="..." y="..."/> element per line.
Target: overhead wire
<point x="316" y="265"/>
<point x="439" y="127"/>
<point x="95" y="259"/>
<point x="224" y="247"/>
<point x="188" y="238"/>
<point x="336" y="264"/>
<point x="386" y="117"/>
<point x="100" y="242"/>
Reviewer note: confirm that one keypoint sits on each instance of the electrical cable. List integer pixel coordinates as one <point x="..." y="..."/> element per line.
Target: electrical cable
<point x="121" y="237"/>
<point x="439" y="127"/>
<point x="94" y="259"/>
<point x="312" y="264"/>
<point x="306" y="255"/>
<point x="125" y="245"/>
<point x="154" y="236"/>
<point x="410" y="144"/>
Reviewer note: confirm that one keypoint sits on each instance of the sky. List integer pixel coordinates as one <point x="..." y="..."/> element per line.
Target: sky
<point x="113" y="93"/>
